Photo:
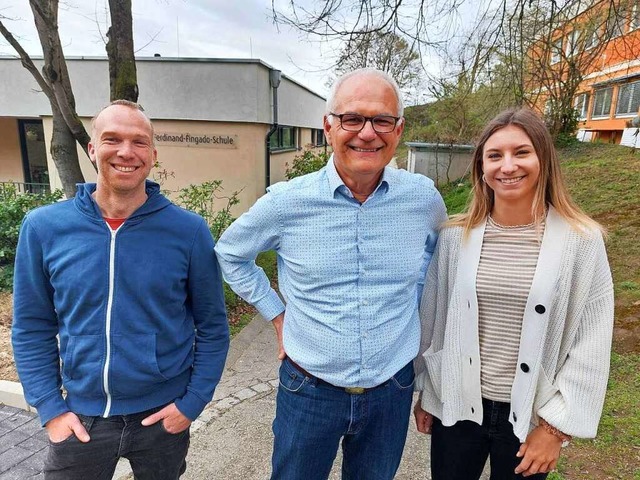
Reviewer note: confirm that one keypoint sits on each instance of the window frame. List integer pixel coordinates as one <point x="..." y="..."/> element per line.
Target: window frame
<point x="556" y="51"/>
<point x="572" y="46"/>
<point x="592" y="38"/>
<point x="318" y="133"/>
<point x="635" y="92"/>
<point x="616" y="22"/>
<point x="582" y="107"/>
<point x="634" y="20"/>
<point x="277" y="139"/>
<point x="594" y="115"/>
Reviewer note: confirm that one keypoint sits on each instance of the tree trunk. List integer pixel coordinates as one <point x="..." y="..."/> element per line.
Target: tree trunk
<point x="45" y="14"/>
<point x="122" y="64"/>
<point x="65" y="154"/>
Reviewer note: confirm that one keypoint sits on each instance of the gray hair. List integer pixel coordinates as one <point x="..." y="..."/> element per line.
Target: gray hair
<point x="364" y="72"/>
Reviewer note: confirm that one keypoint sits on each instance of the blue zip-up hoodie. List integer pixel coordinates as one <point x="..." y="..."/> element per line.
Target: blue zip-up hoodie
<point x="140" y="311"/>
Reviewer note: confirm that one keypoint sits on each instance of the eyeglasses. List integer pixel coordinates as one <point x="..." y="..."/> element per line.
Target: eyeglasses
<point x="354" y="122"/>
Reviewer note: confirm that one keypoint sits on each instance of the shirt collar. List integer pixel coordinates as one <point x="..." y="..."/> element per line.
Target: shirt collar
<point x="335" y="182"/>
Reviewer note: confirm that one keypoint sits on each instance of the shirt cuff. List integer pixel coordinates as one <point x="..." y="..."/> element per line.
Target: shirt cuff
<point x="270" y="306"/>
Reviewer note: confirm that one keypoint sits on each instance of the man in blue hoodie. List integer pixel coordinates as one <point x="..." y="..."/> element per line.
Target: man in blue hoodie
<point x="129" y="283"/>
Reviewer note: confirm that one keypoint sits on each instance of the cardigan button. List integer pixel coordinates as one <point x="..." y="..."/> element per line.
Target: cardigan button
<point x="524" y="367"/>
<point x="540" y="309"/>
<point x="515" y="418"/>
<point x="473" y="410"/>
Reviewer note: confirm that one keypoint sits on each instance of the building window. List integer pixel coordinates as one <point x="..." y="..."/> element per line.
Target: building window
<point x="284" y="138"/>
<point x="615" y="22"/>
<point x="582" y="105"/>
<point x="602" y="102"/>
<point x="317" y="137"/>
<point x="592" y="37"/>
<point x="572" y="43"/>
<point x="556" y="50"/>
<point x="628" y="99"/>
<point x="635" y="17"/>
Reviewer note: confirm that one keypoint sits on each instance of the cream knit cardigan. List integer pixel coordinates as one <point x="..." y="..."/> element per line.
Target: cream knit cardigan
<point x="565" y="345"/>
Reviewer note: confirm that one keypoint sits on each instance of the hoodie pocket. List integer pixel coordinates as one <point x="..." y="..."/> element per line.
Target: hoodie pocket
<point x="133" y="370"/>
<point x="433" y="362"/>
<point x="82" y="365"/>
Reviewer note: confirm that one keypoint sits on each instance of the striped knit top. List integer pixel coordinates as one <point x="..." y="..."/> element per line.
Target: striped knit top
<point x="505" y="272"/>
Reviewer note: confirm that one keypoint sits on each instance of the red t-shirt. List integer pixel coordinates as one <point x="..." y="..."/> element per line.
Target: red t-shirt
<point x="114" y="223"/>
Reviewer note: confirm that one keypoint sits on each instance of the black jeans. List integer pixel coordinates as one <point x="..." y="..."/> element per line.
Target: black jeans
<point x="459" y="452"/>
<point x="154" y="453"/>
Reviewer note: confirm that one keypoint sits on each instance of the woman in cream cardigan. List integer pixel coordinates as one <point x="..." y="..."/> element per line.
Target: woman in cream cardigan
<point x="517" y="315"/>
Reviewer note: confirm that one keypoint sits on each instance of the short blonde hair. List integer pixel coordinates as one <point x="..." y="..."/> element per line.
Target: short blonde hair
<point x="124" y="103"/>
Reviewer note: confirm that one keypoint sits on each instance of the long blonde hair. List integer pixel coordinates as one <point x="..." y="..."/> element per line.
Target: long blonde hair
<point x="550" y="190"/>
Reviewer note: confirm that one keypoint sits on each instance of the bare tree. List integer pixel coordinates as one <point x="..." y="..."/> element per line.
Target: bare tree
<point x="56" y="85"/>
<point x="530" y="50"/>
<point x="388" y="52"/>
<point x="419" y="20"/>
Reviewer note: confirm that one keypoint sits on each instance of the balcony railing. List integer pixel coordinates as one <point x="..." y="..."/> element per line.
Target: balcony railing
<point x="22" y="187"/>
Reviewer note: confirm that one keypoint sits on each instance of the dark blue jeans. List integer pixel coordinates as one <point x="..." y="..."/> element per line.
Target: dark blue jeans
<point x="154" y="453"/>
<point x="313" y="416"/>
<point x="459" y="452"/>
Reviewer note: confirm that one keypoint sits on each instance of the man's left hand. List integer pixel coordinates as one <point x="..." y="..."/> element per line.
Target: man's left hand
<point x="172" y="420"/>
<point x="539" y="453"/>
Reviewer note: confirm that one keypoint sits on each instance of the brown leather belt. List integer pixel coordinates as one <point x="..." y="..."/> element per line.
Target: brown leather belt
<point x="349" y="390"/>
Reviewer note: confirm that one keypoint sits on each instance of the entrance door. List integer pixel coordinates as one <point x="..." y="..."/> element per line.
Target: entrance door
<point x="34" y="155"/>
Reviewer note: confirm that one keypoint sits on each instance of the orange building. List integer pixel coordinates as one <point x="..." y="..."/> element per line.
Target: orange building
<point x="603" y="42"/>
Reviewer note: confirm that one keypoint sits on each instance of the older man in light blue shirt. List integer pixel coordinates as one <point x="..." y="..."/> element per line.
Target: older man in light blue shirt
<point x="353" y="242"/>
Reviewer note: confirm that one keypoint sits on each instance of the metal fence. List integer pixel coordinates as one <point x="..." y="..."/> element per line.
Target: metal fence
<point x="22" y="187"/>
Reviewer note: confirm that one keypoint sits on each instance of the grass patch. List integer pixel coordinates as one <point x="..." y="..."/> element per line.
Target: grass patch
<point x="613" y="454"/>
<point x="555" y="476"/>
<point x="455" y="195"/>
<point x="629" y="285"/>
<point x="243" y="321"/>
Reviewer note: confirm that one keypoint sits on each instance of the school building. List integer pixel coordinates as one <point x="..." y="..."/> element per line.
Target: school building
<point x="239" y="121"/>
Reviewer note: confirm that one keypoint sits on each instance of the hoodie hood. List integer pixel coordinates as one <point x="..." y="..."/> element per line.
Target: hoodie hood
<point x="88" y="206"/>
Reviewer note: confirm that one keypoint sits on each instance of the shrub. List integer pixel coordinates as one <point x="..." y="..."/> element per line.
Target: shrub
<point x="564" y="140"/>
<point x="308" y="162"/>
<point x="203" y="200"/>
<point x="13" y="207"/>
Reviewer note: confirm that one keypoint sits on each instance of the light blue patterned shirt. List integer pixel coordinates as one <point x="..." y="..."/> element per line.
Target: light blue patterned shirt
<point x="351" y="274"/>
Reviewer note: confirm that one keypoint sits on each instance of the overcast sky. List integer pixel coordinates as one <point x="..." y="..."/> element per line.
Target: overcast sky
<point x="226" y="29"/>
<point x="185" y="28"/>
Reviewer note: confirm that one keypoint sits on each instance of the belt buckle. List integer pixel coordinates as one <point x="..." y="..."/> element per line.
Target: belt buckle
<point x="354" y="390"/>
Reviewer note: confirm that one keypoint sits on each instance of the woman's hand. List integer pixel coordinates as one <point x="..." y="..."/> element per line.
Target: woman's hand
<point x="540" y="452"/>
<point x="424" y="420"/>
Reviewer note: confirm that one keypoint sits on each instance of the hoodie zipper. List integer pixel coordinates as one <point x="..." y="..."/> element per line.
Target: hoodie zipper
<point x="105" y="372"/>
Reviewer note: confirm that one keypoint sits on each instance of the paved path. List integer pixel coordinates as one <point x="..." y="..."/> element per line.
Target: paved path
<point x="235" y="443"/>
<point x="232" y="438"/>
<point x="22" y="445"/>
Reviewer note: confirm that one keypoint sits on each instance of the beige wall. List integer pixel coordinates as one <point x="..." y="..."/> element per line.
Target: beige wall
<point x="10" y="155"/>
<point x="241" y="168"/>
